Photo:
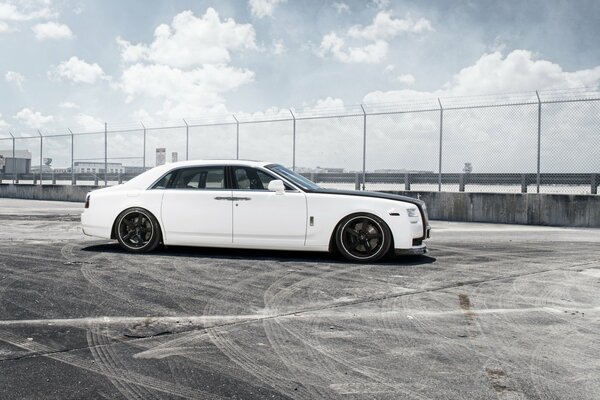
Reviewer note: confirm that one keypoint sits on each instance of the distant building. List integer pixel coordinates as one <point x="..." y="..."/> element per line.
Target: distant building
<point x="468" y="168"/>
<point x="134" y="170"/>
<point x="85" y="167"/>
<point x="330" y="170"/>
<point x="22" y="162"/>
<point x="174" y="156"/>
<point x="161" y="154"/>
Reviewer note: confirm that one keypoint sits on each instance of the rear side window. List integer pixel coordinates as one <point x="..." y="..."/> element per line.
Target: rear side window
<point x="200" y="178"/>
<point x="163" y="183"/>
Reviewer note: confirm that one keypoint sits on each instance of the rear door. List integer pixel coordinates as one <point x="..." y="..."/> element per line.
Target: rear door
<point x="265" y="219"/>
<point x="197" y="207"/>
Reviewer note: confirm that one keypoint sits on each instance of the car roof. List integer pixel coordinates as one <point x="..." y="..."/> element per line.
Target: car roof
<point x="147" y="178"/>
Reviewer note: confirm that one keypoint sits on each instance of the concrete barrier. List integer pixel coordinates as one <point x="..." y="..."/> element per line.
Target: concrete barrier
<point x="504" y="208"/>
<point x="45" y="192"/>
<point x="512" y="208"/>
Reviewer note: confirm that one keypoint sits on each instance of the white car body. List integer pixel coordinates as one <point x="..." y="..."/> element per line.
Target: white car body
<point x="297" y="219"/>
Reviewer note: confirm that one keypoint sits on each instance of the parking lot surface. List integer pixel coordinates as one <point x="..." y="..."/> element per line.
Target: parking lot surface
<point x="493" y="312"/>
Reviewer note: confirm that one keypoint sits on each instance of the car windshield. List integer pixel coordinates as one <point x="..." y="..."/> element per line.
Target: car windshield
<point x="293" y="177"/>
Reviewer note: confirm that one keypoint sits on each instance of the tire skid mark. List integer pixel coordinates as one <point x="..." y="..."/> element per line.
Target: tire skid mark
<point x="112" y="362"/>
<point x="322" y="365"/>
<point x="91" y="275"/>
<point x="97" y="352"/>
<point x="237" y="353"/>
<point x="129" y="376"/>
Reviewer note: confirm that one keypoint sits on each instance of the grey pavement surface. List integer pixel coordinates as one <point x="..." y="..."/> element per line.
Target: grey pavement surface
<point x="494" y="312"/>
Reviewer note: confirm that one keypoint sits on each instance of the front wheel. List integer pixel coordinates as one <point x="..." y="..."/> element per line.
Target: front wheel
<point x="363" y="238"/>
<point x="137" y="230"/>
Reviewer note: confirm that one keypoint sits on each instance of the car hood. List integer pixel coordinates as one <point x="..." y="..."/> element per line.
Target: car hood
<point x="379" y="195"/>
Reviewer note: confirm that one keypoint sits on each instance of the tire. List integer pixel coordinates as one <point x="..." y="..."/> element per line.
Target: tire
<point x="137" y="230"/>
<point x="363" y="238"/>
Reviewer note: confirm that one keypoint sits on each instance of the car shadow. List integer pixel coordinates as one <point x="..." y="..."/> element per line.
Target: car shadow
<point x="256" y="255"/>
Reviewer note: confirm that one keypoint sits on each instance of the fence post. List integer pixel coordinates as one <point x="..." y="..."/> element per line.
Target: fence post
<point x="72" y="157"/>
<point x="364" y="169"/>
<point x="539" y="140"/>
<point x="14" y="161"/>
<point x="523" y="183"/>
<point x="41" y="157"/>
<point x="440" y="152"/>
<point x="293" y="141"/>
<point x="144" y="150"/>
<point x="594" y="184"/>
<point x="461" y="182"/>
<point x="237" y="138"/>
<point x="187" y="140"/>
<point x="105" y="154"/>
<point x="406" y="181"/>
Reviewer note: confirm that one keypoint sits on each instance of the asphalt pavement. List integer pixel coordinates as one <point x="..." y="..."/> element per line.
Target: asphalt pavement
<point x="492" y="312"/>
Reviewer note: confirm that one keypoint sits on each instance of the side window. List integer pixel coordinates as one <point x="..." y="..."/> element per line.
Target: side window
<point x="253" y="179"/>
<point x="164" y="182"/>
<point x="200" y="178"/>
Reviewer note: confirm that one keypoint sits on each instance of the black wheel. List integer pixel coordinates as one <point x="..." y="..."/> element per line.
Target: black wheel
<point x="363" y="238"/>
<point x="137" y="230"/>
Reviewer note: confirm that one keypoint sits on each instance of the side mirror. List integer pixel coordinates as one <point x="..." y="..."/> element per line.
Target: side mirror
<point x="277" y="186"/>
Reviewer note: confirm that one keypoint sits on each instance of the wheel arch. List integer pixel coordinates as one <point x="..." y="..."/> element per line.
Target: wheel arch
<point x="113" y="229"/>
<point x="332" y="244"/>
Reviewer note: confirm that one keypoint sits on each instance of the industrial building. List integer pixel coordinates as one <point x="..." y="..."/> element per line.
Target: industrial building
<point x="21" y="162"/>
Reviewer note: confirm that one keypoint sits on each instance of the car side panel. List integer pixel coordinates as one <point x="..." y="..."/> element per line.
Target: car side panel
<point x="106" y="205"/>
<point x="328" y="210"/>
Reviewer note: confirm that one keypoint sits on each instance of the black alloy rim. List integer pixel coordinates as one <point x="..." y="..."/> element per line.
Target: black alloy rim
<point x="362" y="237"/>
<point x="135" y="230"/>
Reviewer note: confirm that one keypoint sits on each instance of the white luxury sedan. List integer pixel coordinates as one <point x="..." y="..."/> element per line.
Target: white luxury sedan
<point x="252" y="205"/>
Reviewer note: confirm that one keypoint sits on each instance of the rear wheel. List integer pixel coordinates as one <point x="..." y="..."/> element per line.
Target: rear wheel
<point x="137" y="230"/>
<point x="363" y="238"/>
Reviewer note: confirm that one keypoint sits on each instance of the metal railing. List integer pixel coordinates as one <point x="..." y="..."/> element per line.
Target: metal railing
<point x="542" y="142"/>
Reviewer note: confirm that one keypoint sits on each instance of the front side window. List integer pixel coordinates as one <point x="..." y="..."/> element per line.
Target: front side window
<point x="294" y="177"/>
<point x="252" y="179"/>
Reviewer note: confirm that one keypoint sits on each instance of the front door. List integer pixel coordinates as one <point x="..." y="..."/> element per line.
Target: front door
<point x="265" y="219"/>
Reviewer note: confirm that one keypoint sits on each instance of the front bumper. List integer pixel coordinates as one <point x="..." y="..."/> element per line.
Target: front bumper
<point x="413" y="251"/>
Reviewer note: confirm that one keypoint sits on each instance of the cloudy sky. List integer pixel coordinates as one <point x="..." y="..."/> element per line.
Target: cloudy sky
<point x="79" y="63"/>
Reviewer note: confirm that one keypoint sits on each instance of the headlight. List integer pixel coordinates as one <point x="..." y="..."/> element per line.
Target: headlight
<point x="412" y="212"/>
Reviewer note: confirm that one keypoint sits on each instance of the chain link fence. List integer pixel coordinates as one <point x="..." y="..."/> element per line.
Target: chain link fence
<point x="534" y="142"/>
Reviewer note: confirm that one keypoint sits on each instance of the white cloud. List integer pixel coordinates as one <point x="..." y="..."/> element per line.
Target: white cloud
<point x="385" y="27"/>
<point x="334" y="45"/>
<point x="263" y="8"/>
<point x="17" y="78"/>
<point x="3" y="123"/>
<point x="25" y="11"/>
<point x="493" y="73"/>
<point x="518" y="71"/>
<point x="4" y="28"/>
<point x="341" y="7"/>
<point x="190" y="41"/>
<point x="33" y="119"/>
<point x="194" y="90"/>
<point x="68" y="105"/>
<point x="279" y="47"/>
<point x="407" y="79"/>
<point x="52" y="30"/>
<point x="79" y="71"/>
<point x="89" y="123"/>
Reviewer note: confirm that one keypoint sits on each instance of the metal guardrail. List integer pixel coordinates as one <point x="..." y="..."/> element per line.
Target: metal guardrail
<point x="397" y="180"/>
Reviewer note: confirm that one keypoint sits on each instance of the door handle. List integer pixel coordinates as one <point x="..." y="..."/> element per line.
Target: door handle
<point x="223" y="198"/>
<point x="241" y="198"/>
